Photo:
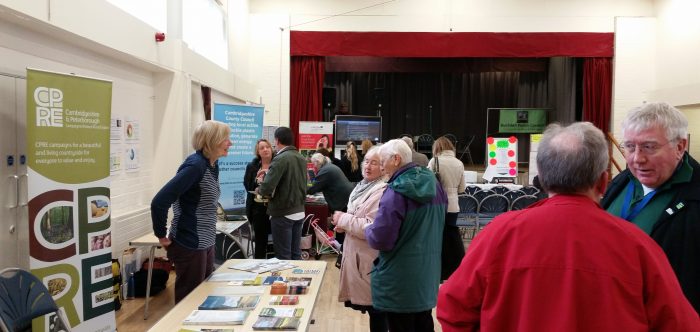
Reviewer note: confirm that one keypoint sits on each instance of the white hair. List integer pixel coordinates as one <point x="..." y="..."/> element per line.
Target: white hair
<point x="396" y="147"/>
<point x="663" y="115"/>
<point x="319" y="159"/>
<point x="409" y="141"/>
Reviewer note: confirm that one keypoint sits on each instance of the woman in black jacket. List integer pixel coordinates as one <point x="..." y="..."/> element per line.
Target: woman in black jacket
<point x="257" y="211"/>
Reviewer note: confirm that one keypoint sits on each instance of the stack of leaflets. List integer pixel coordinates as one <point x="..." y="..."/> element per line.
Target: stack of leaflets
<point x="282" y="312"/>
<point x="276" y="323"/>
<point x="216" y="302"/>
<point x="284" y="300"/>
<point x="269" y="265"/>
<point x="241" y="277"/>
<point x="216" y="317"/>
<point x="299" y="281"/>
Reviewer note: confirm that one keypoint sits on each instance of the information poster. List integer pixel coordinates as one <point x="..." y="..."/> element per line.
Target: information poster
<point x="315" y="135"/>
<point x="69" y="208"/>
<point x="522" y="120"/>
<point x="246" y="122"/>
<point x="502" y="158"/>
<point x="534" y="146"/>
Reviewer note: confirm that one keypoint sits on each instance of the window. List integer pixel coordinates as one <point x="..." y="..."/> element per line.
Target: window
<point x="153" y="12"/>
<point x="204" y="30"/>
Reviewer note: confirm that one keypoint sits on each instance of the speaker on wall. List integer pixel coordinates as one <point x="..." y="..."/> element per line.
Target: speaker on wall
<point x="329" y="98"/>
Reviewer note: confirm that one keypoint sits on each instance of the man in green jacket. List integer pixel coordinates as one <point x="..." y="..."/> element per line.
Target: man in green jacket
<point x="285" y="184"/>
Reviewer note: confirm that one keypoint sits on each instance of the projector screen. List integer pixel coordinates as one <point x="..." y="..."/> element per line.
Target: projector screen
<point x="357" y="128"/>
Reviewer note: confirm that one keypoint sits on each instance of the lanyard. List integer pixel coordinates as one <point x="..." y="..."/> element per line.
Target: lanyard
<point x="626" y="213"/>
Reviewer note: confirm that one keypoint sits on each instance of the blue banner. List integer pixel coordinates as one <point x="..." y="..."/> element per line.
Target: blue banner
<point x="246" y="122"/>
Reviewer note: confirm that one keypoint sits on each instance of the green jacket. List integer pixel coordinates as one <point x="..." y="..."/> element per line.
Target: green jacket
<point x="285" y="183"/>
<point x="407" y="231"/>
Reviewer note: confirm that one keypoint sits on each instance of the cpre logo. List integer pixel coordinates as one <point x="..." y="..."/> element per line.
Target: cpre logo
<point x="49" y="109"/>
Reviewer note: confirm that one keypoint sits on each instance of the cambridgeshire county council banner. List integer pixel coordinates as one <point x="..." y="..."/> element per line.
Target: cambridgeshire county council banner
<point x="246" y="122"/>
<point x="70" y="239"/>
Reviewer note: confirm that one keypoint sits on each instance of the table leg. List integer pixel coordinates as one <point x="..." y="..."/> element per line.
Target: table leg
<point x="148" y="281"/>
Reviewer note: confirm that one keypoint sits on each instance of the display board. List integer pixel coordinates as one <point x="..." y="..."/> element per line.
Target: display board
<point x="246" y="122"/>
<point x="313" y="136"/>
<point x="502" y="161"/>
<point x="525" y="120"/>
<point x="69" y="206"/>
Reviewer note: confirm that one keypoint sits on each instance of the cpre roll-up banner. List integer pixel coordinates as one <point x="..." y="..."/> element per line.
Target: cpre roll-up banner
<point x="69" y="207"/>
<point x="246" y="122"/>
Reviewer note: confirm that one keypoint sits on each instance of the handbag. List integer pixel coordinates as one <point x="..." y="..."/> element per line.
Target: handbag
<point x="436" y="171"/>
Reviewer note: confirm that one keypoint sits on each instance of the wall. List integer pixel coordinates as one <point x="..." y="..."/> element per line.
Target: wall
<point x="656" y="60"/>
<point x="271" y="21"/>
<point x="678" y="51"/>
<point x="132" y="96"/>
<point x="153" y="82"/>
<point x="634" y="36"/>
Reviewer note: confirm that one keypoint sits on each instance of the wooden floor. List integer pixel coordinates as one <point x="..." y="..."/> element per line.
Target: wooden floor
<point x="329" y="314"/>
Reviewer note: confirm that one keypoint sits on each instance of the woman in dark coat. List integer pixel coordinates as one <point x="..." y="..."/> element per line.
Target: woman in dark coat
<point x="255" y="210"/>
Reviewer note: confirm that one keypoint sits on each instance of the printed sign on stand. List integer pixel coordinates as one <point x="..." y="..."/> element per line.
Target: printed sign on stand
<point x="69" y="208"/>
<point x="502" y="158"/>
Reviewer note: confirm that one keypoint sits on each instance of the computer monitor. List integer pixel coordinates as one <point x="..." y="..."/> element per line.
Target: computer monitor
<point x="357" y="128"/>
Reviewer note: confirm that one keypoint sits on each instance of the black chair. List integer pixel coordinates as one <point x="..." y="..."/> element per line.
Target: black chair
<point x="489" y="208"/>
<point x="424" y="144"/>
<point x="523" y="202"/>
<point x="452" y="139"/>
<point x="466" y="219"/>
<point x="464" y="151"/>
<point x="501" y="190"/>
<point x="530" y="190"/>
<point x="514" y="194"/>
<point x="24" y="297"/>
<point x="470" y="190"/>
<point x="481" y="194"/>
<point x="244" y="233"/>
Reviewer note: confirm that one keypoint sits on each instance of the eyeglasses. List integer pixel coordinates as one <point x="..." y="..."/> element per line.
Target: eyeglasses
<point x="371" y="163"/>
<point x="645" y="147"/>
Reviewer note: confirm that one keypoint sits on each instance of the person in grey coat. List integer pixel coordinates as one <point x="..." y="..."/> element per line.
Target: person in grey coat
<point x="331" y="181"/>
<point x="418" y="158"/>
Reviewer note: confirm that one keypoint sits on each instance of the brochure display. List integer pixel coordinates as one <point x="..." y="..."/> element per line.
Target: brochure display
<point x="69" y="206"/>
<point x="227" y="303"/>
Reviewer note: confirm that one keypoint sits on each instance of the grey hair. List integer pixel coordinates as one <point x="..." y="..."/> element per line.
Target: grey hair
<point x="371" y="152"/>
<point x="319" y="159"/>
<point x="396" y="147"/>
<point x="660" y="114"/>
<point x="570" y="159"/>
<point x="409" y="141"/>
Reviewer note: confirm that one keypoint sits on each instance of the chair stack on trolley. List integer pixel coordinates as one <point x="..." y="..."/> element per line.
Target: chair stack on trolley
<point x="477" y="206"/>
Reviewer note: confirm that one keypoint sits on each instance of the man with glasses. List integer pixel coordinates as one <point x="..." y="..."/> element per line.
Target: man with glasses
<point x="660" y="189"/>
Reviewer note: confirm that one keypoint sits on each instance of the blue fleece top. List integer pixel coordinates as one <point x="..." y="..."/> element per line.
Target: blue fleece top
<point x="193" y="193"/>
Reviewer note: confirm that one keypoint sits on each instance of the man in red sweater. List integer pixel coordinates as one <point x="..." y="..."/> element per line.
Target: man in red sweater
<point x="564" y="263"/>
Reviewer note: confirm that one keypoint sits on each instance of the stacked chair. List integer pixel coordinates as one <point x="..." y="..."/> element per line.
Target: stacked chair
<point x="478" y="207"/>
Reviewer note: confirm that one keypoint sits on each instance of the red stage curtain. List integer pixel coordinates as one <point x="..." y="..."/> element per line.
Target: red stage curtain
<point x="451" y="44"/>
<point x="306" y="90"/>
<point x="597" y="92"/>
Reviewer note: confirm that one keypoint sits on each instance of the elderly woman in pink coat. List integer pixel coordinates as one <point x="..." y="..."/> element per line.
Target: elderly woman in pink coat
<point x="358" y="257"/>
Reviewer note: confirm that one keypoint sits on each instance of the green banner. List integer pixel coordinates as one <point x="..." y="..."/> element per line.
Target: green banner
<point x="69" y="207"/>
<point x="522" y="120"/>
